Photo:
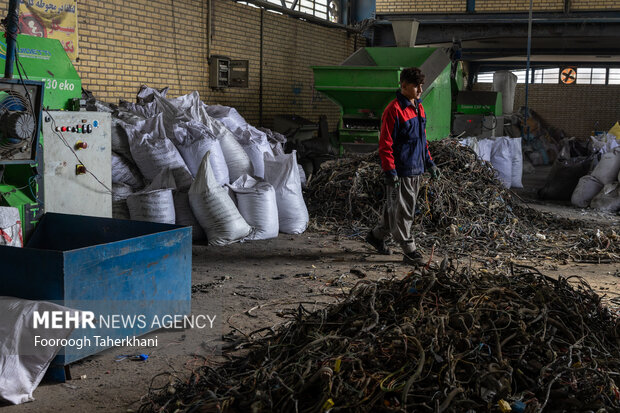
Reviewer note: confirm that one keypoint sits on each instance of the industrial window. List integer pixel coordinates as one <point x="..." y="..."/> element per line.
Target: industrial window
<point x="591" y="76"/>
<point x="316" y="8"/>
<point x="485" y="77"/>
<point x="614" y="77"/>
<point x="585" y="76"/>
<point x="546" y="75"/>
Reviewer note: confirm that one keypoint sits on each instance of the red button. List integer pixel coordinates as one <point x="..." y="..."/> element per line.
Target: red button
<point x="64" y="129"/>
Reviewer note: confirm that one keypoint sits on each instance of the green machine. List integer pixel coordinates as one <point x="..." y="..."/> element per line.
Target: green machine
<point x="478" y="113"/>
<point x="367" y="81"/>
<point x="43" y="77"/>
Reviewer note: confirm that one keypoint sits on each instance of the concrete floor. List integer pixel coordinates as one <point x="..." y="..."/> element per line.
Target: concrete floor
<point x="266" y="277"/>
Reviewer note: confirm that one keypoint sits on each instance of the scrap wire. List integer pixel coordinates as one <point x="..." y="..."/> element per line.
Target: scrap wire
<point x="467" y="210"/>
<point x="440" y="339"/>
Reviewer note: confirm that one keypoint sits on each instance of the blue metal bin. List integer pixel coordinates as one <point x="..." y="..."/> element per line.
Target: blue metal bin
<point x="103" y="265"/>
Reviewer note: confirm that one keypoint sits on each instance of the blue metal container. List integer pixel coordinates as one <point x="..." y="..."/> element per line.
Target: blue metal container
<point x="103" y="265"/>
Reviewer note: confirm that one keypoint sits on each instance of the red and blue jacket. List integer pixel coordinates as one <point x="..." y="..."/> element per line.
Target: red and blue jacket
<point x="403" y="148"/>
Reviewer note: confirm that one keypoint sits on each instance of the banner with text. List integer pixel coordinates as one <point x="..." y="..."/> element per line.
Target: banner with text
<point x="55" y="19"/>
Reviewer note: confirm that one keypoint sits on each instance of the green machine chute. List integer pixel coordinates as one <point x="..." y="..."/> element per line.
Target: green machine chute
<point x="367" y="81"/>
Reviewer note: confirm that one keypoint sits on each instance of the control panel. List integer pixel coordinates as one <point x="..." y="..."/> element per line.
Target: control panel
<point x="77" y="163"/>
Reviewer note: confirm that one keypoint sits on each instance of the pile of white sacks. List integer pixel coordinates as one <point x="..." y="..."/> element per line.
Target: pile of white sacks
<point x="182" y="161"/>
<point x="600" y="188"/>
<point x="504" y="153"/>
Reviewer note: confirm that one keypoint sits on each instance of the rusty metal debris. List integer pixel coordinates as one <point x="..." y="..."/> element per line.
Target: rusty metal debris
<point x="442" y="339"/>
<point x="467" y="211"/>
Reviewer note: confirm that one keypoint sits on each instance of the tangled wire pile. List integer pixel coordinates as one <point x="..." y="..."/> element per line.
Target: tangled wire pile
<point x="467" y="210"/>
<point x="442" y="339"/>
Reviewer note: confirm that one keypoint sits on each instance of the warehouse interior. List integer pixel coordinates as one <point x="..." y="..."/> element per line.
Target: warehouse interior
<point x="191" y="191"/>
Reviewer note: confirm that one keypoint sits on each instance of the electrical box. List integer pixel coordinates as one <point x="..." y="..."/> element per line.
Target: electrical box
<point x="77" y="163"/>
<point x="239" y="70"/>
<point x="219" y="72"/>
<point x="481" y="126"/>
<point x="224" y="72"/>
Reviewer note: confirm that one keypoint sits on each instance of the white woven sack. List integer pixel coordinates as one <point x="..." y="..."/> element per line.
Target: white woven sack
<point x="152" y="206"/>
<point x="227" y="115"/>
<point x="608" y="167"/>
<point x="302" y="176"/>
<point x="146" y="94"/>
<point x="193" y="140"/>
<point x="517" y="163"/>
<point x="237" y="160"/>
<point x="182" y="211"/>
<point x="10" y="227"/>
<point x="586" y="189"/>
<point x="125" y="172"/>
<point x="23" y="363"/>
<point x="120" y="137"/>
<point x="185" y="216"/>
<point x="485" y="148"/>
<point x="120" y="193"/>
<point x="608" y="199"/>
<point x="471" y="142"/>
<point x="256" y="152"/>
<point x="282" y="172"/>
<point x="501" y="159"/>
<point x="154" y="152"/>
<point x="257" y="204"/>
<point x="214" y="208"/>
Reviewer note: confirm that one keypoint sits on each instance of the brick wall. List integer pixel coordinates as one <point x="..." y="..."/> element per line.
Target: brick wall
<point x="573" y="108"/>
<point x="488" y="6"/>
<point x="518" y="5"/>
<point x="421" y="6"/>
<point x="124" y="44"/>
<point x="290" y="47"/>
<point x="595" y="4"/>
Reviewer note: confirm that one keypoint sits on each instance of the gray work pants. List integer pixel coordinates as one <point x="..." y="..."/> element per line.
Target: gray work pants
<point x="398" y="210"/>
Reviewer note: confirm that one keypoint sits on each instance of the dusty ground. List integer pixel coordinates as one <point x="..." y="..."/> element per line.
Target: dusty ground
<point x="266" y="277"/>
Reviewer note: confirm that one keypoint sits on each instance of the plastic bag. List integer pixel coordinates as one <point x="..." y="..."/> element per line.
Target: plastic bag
<point x="256" y="152"/>
<point x="22" y="365"/>
<point x="501" y="159"/>
<point x="153" y="152"/>
<point x="214" y="209"/>
<point x="563" y="178"/>
<point x="194" y="140"/>
<point x="517" y="163"/>
<point x="608" y="167"/>
<point x="228" y="116"/>
<point x="125" y="172"/>
<point x="182" y="210"/>
<point x="120" y="137"/>
<point x="282" y="172"/>
<point x="587" y="188"/>
<point x="237" y="159"/>
<point x="152" y="206"/>
<point x="485" y="148"/>
<point x="608" y="199"/>
<point x="120" y="193"/>
<point x="257" y="204"/>
<point x="10" y="227"/>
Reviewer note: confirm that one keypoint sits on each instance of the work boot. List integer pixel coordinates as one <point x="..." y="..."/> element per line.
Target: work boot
<point x="379" y="244"/>
<point x="413" y="258"/>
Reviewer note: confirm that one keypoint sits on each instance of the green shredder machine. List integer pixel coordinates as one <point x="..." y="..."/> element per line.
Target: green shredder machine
<point x="44" y="79"/>
<point x="367" y="81"/>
